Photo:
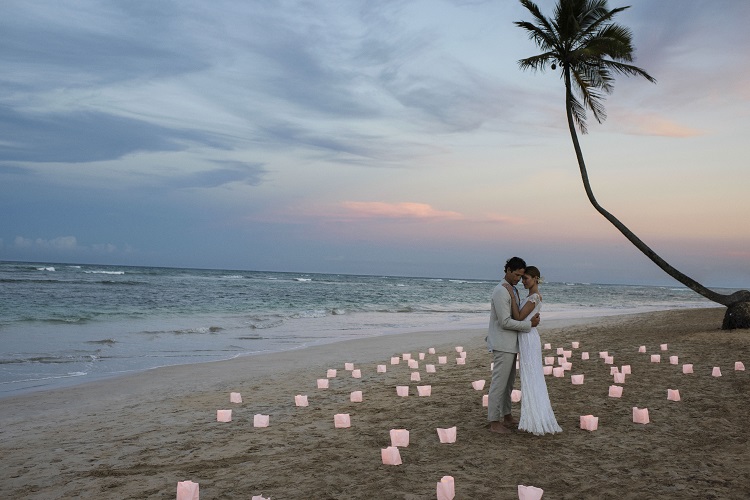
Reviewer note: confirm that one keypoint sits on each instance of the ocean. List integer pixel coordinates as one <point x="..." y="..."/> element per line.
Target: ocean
<point x="65" y="324"/>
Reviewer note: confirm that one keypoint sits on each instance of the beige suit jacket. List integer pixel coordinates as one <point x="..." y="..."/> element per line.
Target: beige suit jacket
<point x="502" y="334"/>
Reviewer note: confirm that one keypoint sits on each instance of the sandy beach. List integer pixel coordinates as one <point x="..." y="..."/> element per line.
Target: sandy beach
<point x="135" y="437"/>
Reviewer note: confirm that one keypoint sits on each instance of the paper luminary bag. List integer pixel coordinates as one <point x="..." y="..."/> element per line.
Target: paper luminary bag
<point x="424" y="390"/>
<point x="547" y="370"/>
<point x="558" y="371"/>
<point x="626" y="369"/>
<point x="462" y="354"/>
<point x="431" y="350"/>
<point x="673" y="360"/>
<point x="716" y="372"/>
<point x="589" y="422"/>
<point x="300" y="400"/>
<point x="664" y="347"/>
<point x="442" y="360"/>
<point x="584" y="356"/>
<point x="515" y="396"/>
<point x="261" y="420"/>
<point x="619" y="378"/>
<point x="400" y="437"/>
<point x="614" y="370"/>
<point x="575" y="345"/>
<point x="567" y="366"/>
<point x="413" y="364"/>
<point x="459" y="348"/>
<point x="381" y="368"/>
<point x="187" y="490"/>
<point x="615" y="391"/>
<point x="549" y="360"/>
<point x="642" y="348"/>
<point x="406" y="356"/>
<point x="603" y="354"/>
<point x="429" y="368"/>
<point x="460" y="361"/>
<point x="640" y="415"/>
<point x="395" y="360"/>
<point x="223" y="415"/>
<point x="342" y="421"/>
<point x="446" y="488"/>
<point x="235" y="397"/>
<point x="687" y="368"/>
<point x="485" y="400"/>
<point x="421" y="356"/>
<point x="357" y="373"/>
<point x="673" y="395"/>
<point x="478" y="385"/>
<point x="355" y="397"/>
<point x="561" y="360"/>
<point x="259" y="497"/>
<point x="529" y="492"/>
<point x="547" y="346"/>
<point x="447" y="436"/>
<point x="560" y="351"/>
<point x="576" y="379"/>
<point x="656" y="358"/>
<point x="402" y="390"/>
<point x="348" y="366"/>
<point x="568" y="354"/>
<point x="738" y="366"/>
<point x="609" y="360"/>
<point x="322" y="383"/>
<point x="390" y="456"/>
<point x="331" y="373"/>
<point x="415" y="377"/>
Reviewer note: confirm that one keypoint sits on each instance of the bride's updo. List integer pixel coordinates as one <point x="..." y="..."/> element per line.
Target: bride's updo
<point x="534" y="273"/>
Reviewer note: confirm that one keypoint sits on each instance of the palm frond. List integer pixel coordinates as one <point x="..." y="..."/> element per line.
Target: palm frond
<point x="590" y="47"/>
<point x="537" y="62"/>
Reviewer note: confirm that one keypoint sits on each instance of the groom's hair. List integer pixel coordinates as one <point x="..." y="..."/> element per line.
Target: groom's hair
<point x="514" y="264"/>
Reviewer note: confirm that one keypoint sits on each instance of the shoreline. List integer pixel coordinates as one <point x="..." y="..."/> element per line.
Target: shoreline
<point x="136" y="436"/>
<point x="64" y="382"/>
<point x="72" y="382"/>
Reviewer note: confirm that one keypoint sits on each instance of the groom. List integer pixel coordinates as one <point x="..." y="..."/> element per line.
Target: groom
<point x="502" y="341"/>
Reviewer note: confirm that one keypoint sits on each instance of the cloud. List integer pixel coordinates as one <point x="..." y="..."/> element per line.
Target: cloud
<point x="90" y="43"/>
<point x="653" y="124"/>
<point x="59" y="243"/>
<point x="250" y="174"/>
<point x="85" y="136"/>
<point x="418" y="212"/>
<point x="405" y="210"/>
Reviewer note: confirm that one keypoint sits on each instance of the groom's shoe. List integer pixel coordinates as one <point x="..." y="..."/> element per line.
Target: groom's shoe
<point x="499" y="428"/>
<point x="510" y="422"/>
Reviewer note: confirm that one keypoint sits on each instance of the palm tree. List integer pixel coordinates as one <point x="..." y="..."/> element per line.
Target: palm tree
<point x="590" y="49"/>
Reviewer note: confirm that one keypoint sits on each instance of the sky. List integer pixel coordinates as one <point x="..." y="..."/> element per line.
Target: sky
<point x="381" y="137"/>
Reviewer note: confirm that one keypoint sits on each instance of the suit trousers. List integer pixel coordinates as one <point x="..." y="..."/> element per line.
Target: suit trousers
<point x="503" y="379"/>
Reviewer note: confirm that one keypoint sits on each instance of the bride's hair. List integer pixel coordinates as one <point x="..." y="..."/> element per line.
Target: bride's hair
<point x="534" y="273"/>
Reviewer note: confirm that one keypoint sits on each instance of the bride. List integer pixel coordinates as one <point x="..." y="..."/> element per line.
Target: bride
<point x="537" y="416"/>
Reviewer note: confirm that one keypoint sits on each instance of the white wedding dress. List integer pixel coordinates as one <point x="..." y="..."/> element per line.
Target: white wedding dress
<point x="536" y="411"/>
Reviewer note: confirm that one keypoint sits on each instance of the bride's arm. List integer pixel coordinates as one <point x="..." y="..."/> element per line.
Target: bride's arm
<point x="514" y="312"/>
<point x="526" y="309"/>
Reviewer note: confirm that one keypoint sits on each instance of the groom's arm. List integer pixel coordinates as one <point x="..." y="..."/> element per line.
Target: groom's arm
<point x="501" y="298"/>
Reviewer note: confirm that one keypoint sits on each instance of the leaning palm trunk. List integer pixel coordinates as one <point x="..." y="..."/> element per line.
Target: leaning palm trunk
<point x="738" y="303"/>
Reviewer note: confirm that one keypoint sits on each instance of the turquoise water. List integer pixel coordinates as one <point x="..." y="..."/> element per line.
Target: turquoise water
<point x="63" y="324"/>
